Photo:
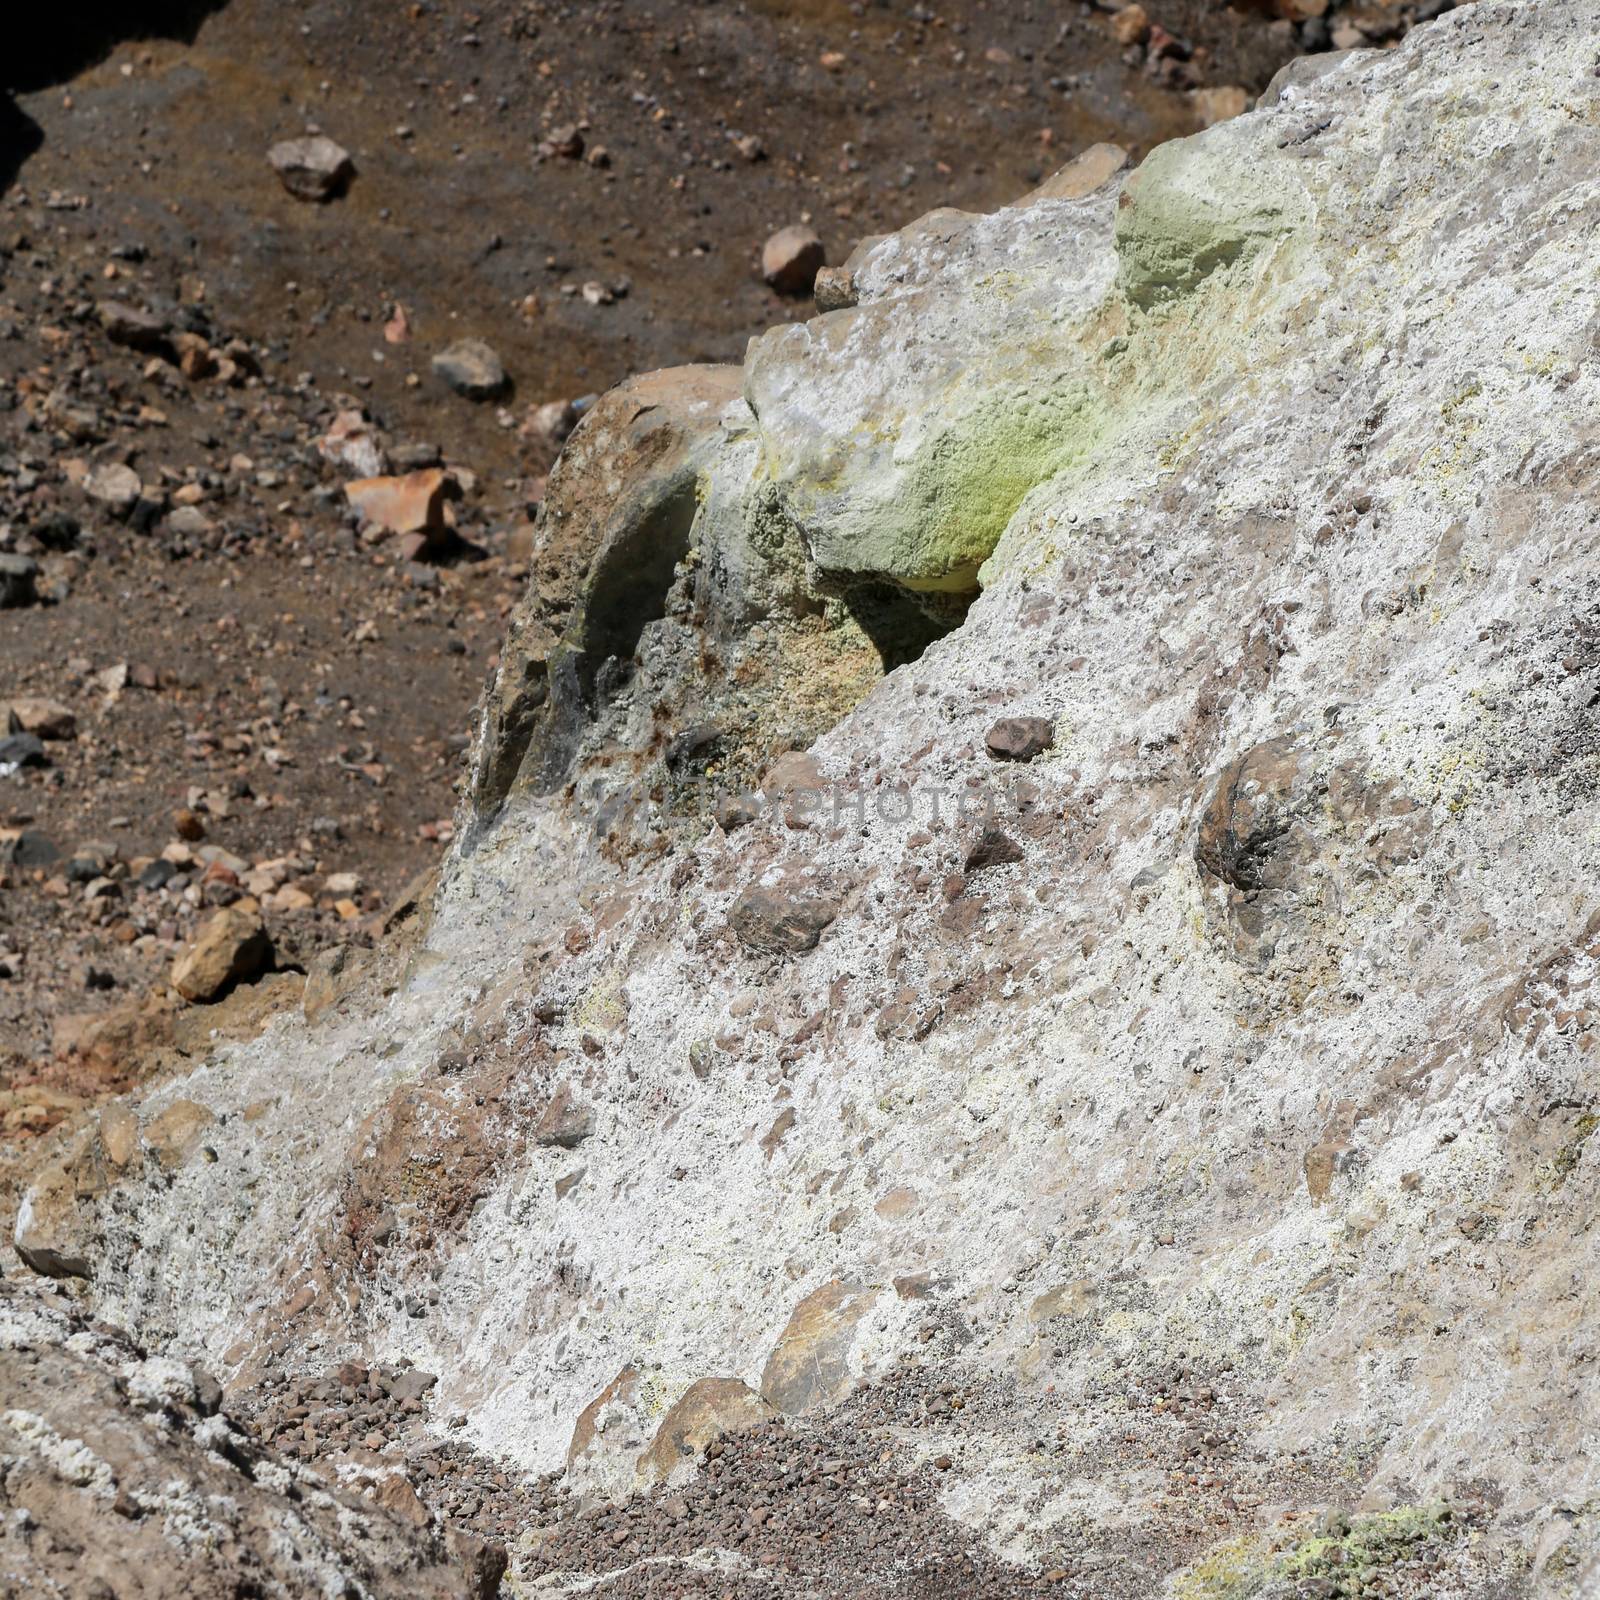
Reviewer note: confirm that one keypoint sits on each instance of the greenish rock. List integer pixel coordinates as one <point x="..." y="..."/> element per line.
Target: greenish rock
<point x="1194" y="210"/>
<point x="1354" y="1554"/>
<point x="902" y="434"/>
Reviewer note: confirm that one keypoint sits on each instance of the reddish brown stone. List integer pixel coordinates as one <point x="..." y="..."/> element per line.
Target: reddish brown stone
<point x="1020" y="738"/>
<point x="414" y="503"/>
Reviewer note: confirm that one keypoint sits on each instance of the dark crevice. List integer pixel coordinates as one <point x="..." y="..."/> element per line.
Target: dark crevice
<point x="49" y="46"/>
<point x="536" y="731"/>
<point x="901" y="625"/>
<point x="537" y="723"/>
<point x="20" y="137"/>
<point x="629" y="591"/>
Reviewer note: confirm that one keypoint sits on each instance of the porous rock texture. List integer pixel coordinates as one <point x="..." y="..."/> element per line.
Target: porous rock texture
<point x="1220" y="1135"/>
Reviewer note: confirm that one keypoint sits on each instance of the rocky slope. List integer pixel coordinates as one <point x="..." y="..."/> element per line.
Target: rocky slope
<point x="196" y="359"/>
<point x="119" y="1476"/>
<point x="1110" y="1112"/>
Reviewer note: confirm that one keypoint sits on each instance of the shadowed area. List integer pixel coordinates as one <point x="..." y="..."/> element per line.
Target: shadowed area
<point x="19" y="138"/>
<point x="49" y="47"/>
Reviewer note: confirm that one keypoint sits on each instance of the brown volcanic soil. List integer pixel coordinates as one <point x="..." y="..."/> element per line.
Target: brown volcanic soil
<point x="455" y="214"/>
<point x="309" y="694"/>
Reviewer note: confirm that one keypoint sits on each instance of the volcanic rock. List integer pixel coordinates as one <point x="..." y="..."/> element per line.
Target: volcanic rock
<point x="231" y="947"/>
<point x="134" y="326"/>
<point x="47" y="718"/>
<point x="566" y="1122"/>
<point x="993" y="848"/>
<point x="1130" y="25"/>
<point x="352" y="444"/>
<point x="473" y="369"/>
<point x="1019" y="738"/>
<point x="1238" y="1155"/>
<point x="22" y="750"/>
<point x="774" y="921"/>
<point x="835" y="289"/>
<point x="415" y="503"/>
<point x="810" y="1365"/>
<point x="708" y="1410"/>
<point x="18" y="577"/>
<point x="115" y="486"/>
<point x="552" y="421"/>
<point x="313" y="169"/>
<point x="791" y="259"/>
<point x="104" y="1440"/>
